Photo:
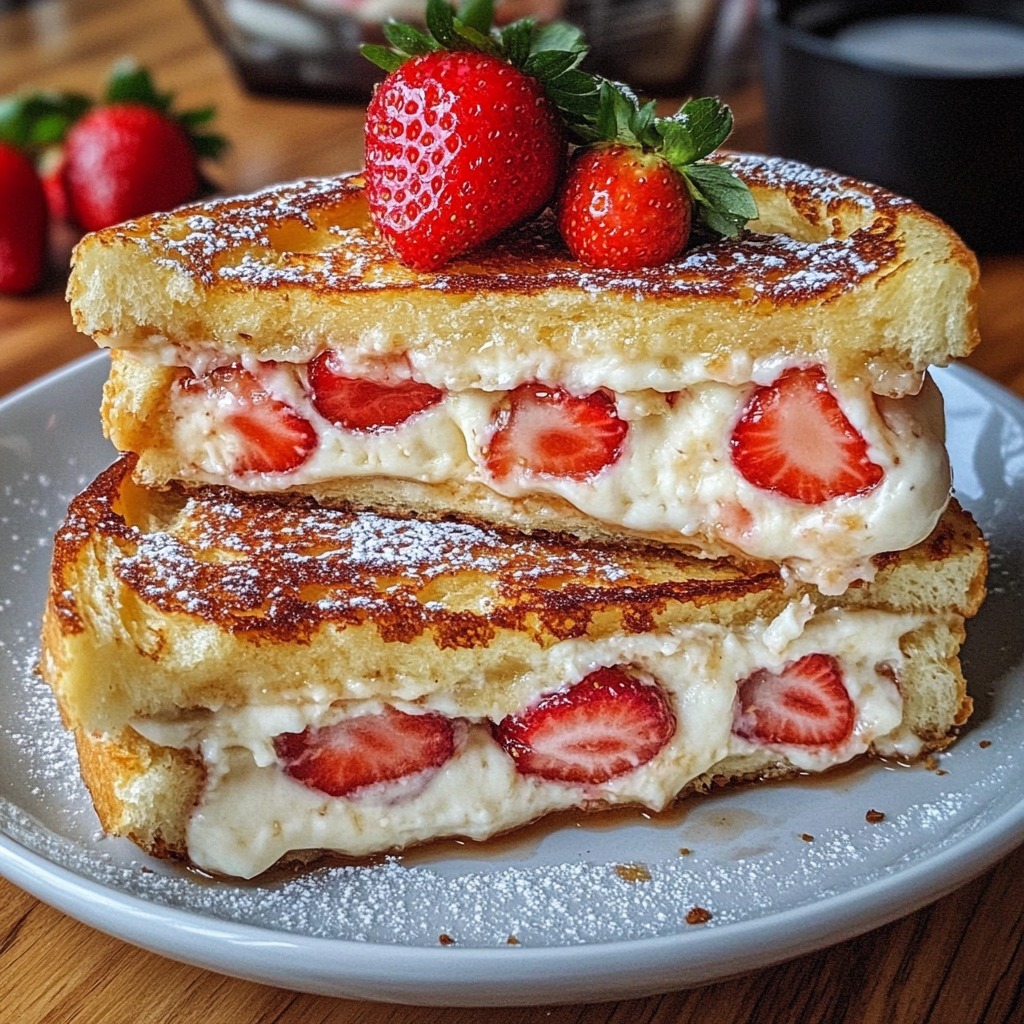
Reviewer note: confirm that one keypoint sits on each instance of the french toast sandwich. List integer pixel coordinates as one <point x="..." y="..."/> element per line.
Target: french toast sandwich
<point x="253" y="677"/>
<point x="556" y="460"/>
<point x="273" y="342"/>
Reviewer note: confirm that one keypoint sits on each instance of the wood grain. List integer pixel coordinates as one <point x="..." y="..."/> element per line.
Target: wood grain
<point x="959" y="961"/>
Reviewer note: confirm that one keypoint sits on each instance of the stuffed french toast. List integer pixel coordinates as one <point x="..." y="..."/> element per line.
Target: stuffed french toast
<point x="252" y="679"/>
<point x="765" y="396"/>
<point x="555" y="459"/>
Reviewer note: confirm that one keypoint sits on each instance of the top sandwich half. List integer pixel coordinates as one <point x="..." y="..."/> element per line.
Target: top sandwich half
<point x="764" y="395"/>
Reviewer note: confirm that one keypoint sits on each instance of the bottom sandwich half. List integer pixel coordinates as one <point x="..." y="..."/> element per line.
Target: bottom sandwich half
<point x="253" y="679"/>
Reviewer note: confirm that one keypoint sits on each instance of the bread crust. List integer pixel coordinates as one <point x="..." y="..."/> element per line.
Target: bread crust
<point x="834" y="271"/>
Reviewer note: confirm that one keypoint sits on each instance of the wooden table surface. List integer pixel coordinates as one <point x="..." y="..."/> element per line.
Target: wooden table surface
<point x="960" y="960"/>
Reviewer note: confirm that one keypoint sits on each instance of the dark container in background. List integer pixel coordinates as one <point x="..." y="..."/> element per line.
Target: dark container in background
<point x="950" y="137"/>
<point x="309" y="49"/>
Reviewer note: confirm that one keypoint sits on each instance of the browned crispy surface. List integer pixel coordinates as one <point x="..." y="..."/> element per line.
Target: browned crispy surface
<point x="209" y="597"/>
<point x="316" y="235"/>
<point x="833" y="271"/>
<point x="283" y="568"/>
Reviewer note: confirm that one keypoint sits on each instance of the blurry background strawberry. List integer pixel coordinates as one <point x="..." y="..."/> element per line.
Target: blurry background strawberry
<point x="122" y="161"/>
<point x="124" y="155"/>
<point x="23" y="222"/>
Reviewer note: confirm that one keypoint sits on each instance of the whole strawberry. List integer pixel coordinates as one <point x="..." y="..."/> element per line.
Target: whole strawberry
<point x="629" y="198"/>
<point x="463" y="138"/>
<point x="125" y="160"/>
<point x="111" y="159"/>
<point x="622" y="208"/>
<point x="23" y="222"/>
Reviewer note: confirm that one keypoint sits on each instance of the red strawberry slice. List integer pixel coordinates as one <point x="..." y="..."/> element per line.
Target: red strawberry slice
<point x="546" y="431"/>
<point x="805" y="704"/>
<point x="367" y="749"/>
<point x="793" y="438"/>
<point x="356" y="403"/>
<point x="272" y="436"/>
<point x="608" y="724"/>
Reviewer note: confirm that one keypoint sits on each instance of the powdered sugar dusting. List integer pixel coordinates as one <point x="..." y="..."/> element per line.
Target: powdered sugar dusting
<point x="316" y="234"/>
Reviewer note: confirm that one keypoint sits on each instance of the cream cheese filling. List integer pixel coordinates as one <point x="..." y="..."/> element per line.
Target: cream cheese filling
<point x="252" y="813"/>
<point x="675" y="475"/>
<point x="496" y="366"/>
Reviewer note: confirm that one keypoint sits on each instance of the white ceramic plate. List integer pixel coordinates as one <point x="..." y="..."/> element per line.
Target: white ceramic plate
<point x="587" y="923"/>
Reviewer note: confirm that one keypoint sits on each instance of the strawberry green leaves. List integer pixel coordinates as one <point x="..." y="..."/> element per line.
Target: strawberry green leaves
<point x="446" y="29"/>
<point x="722" y="201"/>
<point x="37" y="120"/>
<point x="130" y="83"/>
<point x="700" y="126"/>
<point x="697" y="129"/>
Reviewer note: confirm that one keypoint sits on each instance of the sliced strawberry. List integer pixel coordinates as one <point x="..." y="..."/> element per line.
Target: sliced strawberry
<point x="793" y="438"/>
<point x="606" y="725"/>
<point x="805" y="704"/>
<point x="356" y="403"/>
<point x="546" y="431"/>
<point x="271" y="436"/>
<point x="367" y="749"/>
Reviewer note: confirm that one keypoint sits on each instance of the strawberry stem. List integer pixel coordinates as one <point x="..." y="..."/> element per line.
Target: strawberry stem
<point x="551" y="53"/>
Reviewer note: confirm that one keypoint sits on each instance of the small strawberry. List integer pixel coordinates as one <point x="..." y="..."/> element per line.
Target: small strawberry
<point x="628" y="198"/>
<point x="804" y="704"/>
<point x="356" y="403"/>
<point x="463" y="136"/>
<point x="367" y="749"/>
<point x="548" y="432"/>
<point x="608" y="724"/>
<point x="623" y="209"/>
<point x="258" y="433"/>
<point x="23" y="222"/>
<point x="793" y="438"/>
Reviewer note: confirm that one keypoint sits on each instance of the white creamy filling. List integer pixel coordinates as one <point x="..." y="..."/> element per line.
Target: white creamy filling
<point x="494" y="366"/>
<point x="252" y="813"/>
<point x="675" y="474"/>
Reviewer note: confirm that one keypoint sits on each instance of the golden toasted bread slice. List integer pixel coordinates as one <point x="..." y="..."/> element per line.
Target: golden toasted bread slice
<point x="833" y="272"/>
<point x="271" y="343"/>
<point x="226" y="661"/>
